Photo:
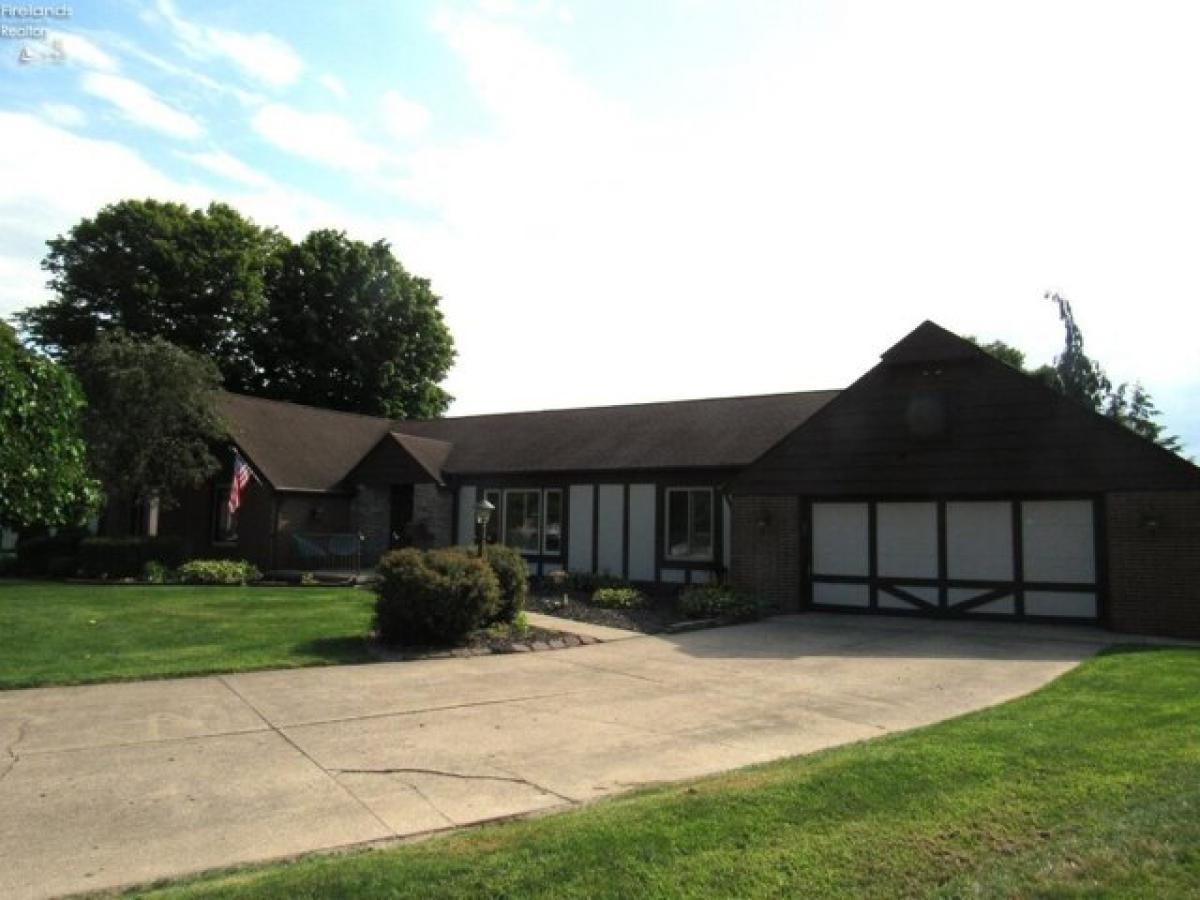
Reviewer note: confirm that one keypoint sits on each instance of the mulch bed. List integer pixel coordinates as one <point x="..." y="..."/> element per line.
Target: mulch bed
<point x="654" y="616"/>
<point x="486" y="642"/>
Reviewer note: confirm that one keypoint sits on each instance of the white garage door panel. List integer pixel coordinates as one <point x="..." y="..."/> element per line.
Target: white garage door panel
<point x="907" y="539"/>
<point x="979" y="541"/>
<point x="1058" y="540"/>
<point x="841" y="594"/>
<point x="1056" y="557"/>
<point x="839" y="538"/>
<point x="1056" y="603"/>
<point x="1006" y="605"/>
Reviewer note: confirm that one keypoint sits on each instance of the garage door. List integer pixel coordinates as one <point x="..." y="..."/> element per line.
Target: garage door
<point x="1026" y="559"/>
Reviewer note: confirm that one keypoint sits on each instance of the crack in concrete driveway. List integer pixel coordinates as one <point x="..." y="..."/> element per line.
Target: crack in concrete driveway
<point x="126" y="783"/>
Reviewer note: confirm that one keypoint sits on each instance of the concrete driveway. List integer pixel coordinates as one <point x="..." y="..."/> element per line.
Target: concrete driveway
<point x="115" y="784"/>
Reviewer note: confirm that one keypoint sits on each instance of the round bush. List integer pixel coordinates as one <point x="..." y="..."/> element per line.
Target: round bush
<point x="433" y="596"/>
<point x="511" y="571"/>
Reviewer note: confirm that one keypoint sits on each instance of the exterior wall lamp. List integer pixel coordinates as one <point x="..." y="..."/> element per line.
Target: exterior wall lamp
<point x="483" y="514"/>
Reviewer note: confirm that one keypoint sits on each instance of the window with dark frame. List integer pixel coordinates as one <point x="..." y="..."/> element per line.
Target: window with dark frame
<point x="689" y="525"/>
<point x="523" y="519"/>
<point x="528" y="519"/>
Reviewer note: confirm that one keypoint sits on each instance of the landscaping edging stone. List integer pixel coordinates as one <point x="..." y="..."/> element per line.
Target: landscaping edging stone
<point x="403" y="654"/>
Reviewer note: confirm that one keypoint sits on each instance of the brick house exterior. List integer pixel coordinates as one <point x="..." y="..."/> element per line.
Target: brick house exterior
<point x="941" y="484"/>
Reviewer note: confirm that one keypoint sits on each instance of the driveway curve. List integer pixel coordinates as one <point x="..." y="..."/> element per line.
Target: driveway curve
<point x="109" y="785"/>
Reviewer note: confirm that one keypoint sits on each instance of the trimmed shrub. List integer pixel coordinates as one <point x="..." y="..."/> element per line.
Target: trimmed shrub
<point x="511" y="571"/>
<point x="716" y="601"/>
<point x="618" y="598"/>
<point x="433" y="596"/>
<point x="126" y="557"/>
<point x="217" y="571"/>
<point x="590" y="582"/>
<point x="35" y="553"/>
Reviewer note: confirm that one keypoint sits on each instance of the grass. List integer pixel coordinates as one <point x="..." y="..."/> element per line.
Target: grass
<point x="1087" y="788"/>
<point x="74" y="633"/>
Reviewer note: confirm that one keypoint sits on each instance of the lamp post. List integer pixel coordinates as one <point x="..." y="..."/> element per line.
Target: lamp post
<point x="483" y="512"/>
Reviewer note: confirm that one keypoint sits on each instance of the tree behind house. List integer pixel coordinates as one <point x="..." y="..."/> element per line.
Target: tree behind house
<point x="151" y="417"/>
<point x="1083" y="379"/>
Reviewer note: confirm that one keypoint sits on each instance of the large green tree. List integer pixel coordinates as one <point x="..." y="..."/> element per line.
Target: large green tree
<point x="328" y="321"/>
<point x="347" y="327"/>
<point x="151" y="418"/>
<point x="152" y="269"/>
<point x="44" y="478"/>
<point x="1084" y="380"/>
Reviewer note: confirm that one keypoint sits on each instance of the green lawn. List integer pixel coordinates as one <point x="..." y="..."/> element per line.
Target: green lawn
<point x="75" y="633"/>
<point x="1088" y="788"/>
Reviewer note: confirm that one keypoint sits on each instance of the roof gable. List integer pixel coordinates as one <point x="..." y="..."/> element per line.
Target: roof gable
<point x="963" y="423"/>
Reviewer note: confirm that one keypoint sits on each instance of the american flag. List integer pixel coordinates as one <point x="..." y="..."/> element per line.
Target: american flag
<point x="241" y="478"/>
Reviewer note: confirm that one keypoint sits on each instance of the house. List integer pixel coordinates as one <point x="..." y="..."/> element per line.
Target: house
<point x="943" y="483"/>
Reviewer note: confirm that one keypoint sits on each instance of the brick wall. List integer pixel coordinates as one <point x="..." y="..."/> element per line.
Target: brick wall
<point x="371" y="510"/>
<point x="766" y="549"/>
<point x="1154" y="562"/>
<point x="433" y="507"/>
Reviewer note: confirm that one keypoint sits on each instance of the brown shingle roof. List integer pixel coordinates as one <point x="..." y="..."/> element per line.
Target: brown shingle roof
<point x="307" y="448"/>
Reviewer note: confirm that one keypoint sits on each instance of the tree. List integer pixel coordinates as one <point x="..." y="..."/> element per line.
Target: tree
<point x="1006" y="353"/>
<point x="43" y="462"/>
<point x="347" y="327"/>
<point x="155" y="269"/>
<point x="328" y="321"/>
<point x="1132" y="406"/>
<point x="1079" y="376"/>
<point x="151" y="419"/>
<point x="1084" y="380"/>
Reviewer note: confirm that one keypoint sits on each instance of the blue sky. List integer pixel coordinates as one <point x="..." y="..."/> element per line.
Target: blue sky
<point x="623" y="201"/>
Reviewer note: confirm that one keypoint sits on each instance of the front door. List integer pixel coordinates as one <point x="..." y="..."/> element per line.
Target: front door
<point x="402" y="516"/>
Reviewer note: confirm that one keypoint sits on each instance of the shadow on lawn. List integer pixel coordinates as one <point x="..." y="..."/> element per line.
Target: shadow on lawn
<point x="338" y="649"/>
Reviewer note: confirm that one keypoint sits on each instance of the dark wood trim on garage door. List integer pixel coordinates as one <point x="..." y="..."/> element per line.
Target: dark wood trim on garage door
<point x="988" y="590"/>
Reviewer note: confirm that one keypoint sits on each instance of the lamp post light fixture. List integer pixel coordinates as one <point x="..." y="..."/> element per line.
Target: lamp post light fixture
<point x="483" y="513"/>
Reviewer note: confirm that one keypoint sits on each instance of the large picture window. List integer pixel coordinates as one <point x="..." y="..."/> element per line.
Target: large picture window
<point x="533" y="520"/>
<point x="522" y="520"/>
<point x="690" y="524"/>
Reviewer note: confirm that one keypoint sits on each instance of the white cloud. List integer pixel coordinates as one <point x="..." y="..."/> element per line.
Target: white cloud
<point x="79" y="51"/>
<point x="403" y="119"/>
<point x="228" y="166"/>
<point x="263" y="57"/>
<point x="334" y="85"/>
<point x="321" y="137"/>
<point x="835" y="187"/>
<point x="64" y="114"/>
<point x="141" y="105"/>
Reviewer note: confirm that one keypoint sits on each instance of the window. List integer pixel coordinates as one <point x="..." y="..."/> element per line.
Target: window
<point x="491" y="534"/>
<point x="522" y="520"/>
<point x="552" y="536"/>
<point x="690" y="523"/>
<point x="532" y="520"/>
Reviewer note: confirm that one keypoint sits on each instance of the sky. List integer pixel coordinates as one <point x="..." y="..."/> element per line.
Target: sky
<point x="622" y="201"/>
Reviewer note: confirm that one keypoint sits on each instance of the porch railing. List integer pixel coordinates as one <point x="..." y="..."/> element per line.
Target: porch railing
<point x="310" y="551"/>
